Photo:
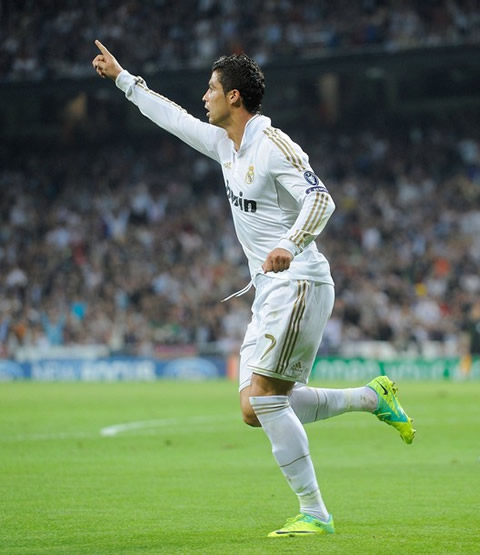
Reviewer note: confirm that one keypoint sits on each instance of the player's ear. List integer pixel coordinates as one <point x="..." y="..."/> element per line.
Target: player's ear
<point x="235" y="97"/>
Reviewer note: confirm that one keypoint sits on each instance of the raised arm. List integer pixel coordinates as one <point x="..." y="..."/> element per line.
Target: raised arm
<point x="162" y="111"/>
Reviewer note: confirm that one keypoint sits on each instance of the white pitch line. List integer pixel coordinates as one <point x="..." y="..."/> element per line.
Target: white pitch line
<point x="140" y="426"/>
<point x="116" y="429"/>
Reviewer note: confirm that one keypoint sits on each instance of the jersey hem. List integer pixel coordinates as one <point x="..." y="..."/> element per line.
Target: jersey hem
<point x="290" y="277"/>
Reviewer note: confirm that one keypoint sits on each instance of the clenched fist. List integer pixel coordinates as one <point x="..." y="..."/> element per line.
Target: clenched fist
<point x="277" y="261"/>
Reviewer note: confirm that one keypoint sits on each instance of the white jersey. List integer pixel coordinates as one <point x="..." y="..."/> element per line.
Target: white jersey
<point x="275" y="197"/>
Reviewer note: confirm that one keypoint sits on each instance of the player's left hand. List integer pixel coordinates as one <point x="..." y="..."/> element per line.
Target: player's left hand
<point x="277" y="261"/>
<point x="105" y="64"/>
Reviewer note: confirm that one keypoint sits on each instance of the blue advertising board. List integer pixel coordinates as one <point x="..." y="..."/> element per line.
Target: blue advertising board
<point x="114" y="369"/>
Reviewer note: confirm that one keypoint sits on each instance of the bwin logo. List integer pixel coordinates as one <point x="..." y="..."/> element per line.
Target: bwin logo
<point x="244" y="204"/>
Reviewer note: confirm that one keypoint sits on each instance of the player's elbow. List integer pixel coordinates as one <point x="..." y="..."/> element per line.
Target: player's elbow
<point x="330" y="206"/>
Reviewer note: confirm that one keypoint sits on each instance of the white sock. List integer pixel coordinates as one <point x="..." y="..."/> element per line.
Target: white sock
<point x="311" y="404"/>
<point x="290" y="449"/>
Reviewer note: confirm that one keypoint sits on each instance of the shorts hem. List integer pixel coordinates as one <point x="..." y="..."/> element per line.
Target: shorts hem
<point x="270" y="374"/>
<point x="244" y="384"/>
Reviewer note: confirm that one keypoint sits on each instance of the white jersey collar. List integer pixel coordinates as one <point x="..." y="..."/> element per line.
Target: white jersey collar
<point x="253" y="128"/>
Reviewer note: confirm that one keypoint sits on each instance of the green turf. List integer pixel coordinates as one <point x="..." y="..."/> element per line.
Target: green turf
<point x="197" y="480"/>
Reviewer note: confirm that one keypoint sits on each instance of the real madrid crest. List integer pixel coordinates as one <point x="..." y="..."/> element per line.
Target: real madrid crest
<point x="250" y="175"/>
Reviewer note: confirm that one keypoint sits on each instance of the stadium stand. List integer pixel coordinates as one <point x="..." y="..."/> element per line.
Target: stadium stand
<point x="137" y="254"/>
<point x="131" y="256"/>
<point x="41" y="40"/>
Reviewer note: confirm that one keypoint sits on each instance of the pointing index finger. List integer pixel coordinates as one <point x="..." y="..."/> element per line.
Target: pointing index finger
<point x="102" y="48"/>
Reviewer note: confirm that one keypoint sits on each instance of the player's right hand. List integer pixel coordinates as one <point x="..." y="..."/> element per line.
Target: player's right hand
<point x="277" y="261"/>
<point x="105" y="64"/>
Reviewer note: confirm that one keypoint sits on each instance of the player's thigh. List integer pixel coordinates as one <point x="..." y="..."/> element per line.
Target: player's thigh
<point x="246" y="352"/>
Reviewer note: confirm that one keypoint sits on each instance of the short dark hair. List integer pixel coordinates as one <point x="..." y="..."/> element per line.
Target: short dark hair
<point x="240" y="72"/>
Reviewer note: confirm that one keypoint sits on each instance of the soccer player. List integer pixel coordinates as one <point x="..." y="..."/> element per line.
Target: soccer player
<point x="279" y="207"/>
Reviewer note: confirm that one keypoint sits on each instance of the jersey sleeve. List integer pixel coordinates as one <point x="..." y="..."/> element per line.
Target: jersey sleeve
<point x="170" y="116"/>
<point x="292" y="171"/>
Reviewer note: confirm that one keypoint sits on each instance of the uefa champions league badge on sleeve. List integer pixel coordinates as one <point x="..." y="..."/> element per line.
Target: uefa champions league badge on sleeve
<point x="314" y="181"/>
<point x="311" y="178"/>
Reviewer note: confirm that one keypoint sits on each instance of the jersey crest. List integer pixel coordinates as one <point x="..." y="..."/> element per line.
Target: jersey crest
<point x="250" y="175"/>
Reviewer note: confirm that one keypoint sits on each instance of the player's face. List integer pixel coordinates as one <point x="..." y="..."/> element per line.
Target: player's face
<point x="216" y="104"/>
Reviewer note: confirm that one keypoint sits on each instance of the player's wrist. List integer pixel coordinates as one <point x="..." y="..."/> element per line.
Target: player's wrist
<point x="115" y="73"/>
<point x="124" y="80"/>
<point x="289" y="246"/>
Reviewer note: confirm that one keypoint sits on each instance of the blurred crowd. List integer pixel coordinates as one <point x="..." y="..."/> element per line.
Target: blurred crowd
<point x="124" y="246"/>
<point x="121" y="245"/>
<point x="47" y="38"/>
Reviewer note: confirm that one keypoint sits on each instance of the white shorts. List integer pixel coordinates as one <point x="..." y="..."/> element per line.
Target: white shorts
<point x="286" y="329"/>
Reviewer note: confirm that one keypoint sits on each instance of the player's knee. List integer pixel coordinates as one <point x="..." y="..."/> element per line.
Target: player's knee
<point x="250" y="418"/>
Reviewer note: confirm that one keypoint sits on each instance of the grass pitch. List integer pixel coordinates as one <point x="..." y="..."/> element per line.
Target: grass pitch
<point x="168" y="467"/>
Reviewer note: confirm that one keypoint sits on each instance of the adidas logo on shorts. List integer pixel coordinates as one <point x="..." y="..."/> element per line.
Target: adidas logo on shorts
<point x="296" y="368"/>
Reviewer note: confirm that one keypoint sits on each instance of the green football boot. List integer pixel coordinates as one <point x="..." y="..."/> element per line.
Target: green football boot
<point x="304" y="525"/>
<point x="389" y="409"/>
